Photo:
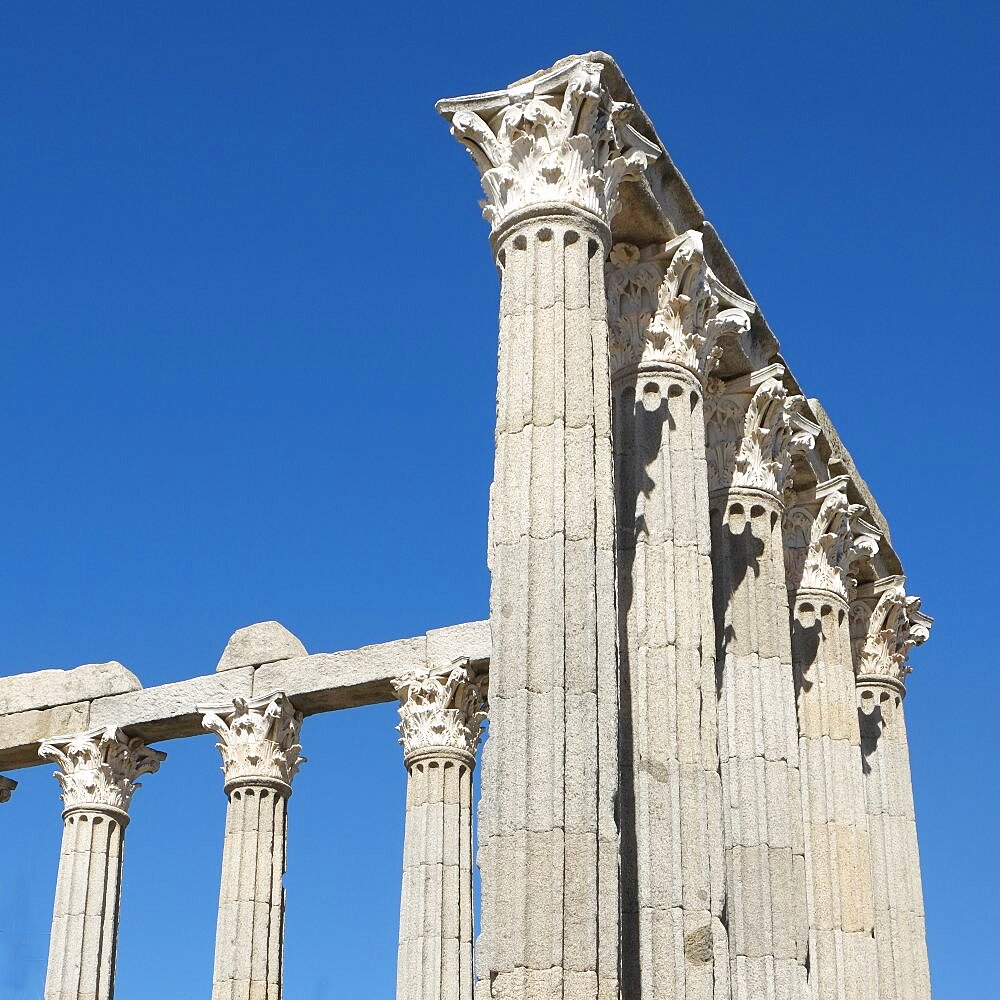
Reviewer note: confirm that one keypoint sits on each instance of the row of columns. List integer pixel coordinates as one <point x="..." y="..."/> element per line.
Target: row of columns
<point x="441" y="714"/>
<point x="745" y="800"/>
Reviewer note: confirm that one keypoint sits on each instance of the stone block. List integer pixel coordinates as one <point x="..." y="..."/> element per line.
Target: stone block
<point x="45" y="688"/>
<point x="471" y="639"/>
<point x="169" y="711"/>
<point x="325" y="682"/>
<point x="265" y="642"/>
<point x="22" y="732"/>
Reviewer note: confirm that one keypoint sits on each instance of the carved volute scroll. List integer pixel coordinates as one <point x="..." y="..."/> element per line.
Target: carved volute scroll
<point x="753" y="435"/>
<point x="7" y="785"/>
<point x="823" y="551"/>
<point x="99" y="768"/>
<point x="666" y="305"/>
<point x="895" y="628"/>
<point x="559" y="138"/>
<point x="258" y="739"/>
<point x="440" y="708"/>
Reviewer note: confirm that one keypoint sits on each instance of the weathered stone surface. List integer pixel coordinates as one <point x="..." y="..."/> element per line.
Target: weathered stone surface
<point x="23" y="733"/>
<point x="472" y="640"/>
<point x="171" y="710"/>
<point x="324" y="682"/>
<point x="44" y="688"/>
<point x="264" y="642"/>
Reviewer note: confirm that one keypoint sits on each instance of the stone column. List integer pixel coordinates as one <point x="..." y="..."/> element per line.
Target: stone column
<point x="823" y="546"/>
<point x="666" y="313"/>
<point x="97" y="771"/>
<point x="441" y="718"/>
<point x="885" y="636"/>
<point x="552" y="152"/>
<point x="7" y="785"/>
<point x="750" y="438"/>
<point x="259" y="743"/>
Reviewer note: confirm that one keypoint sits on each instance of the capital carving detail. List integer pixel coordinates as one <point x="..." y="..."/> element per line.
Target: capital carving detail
<point x="100" y="767"/>
<point x="895" y="628"/>
<point x="563" y="139"/>
<point x="439" y="707"/>
<point x="834" y="544"/>
<point x="258" y="738"/>
<point x="7" y="785"/>
<point x="665" y="304"/>
<point x="752" y="448"/>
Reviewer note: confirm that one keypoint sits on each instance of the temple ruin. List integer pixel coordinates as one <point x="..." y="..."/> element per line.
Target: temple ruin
<point x="696" y="784"/>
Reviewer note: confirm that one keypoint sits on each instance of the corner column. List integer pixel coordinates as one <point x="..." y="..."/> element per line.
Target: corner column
<point x="891" y="629"/>
<point x="667" y="312"/>
<point x="838" y="869"/>
<point x="259" y="744"/>
<point x="552" y="153"/>
<point x="750" y="440"/>
<point x="440" y="722"/>
<point x="97" y="772"/>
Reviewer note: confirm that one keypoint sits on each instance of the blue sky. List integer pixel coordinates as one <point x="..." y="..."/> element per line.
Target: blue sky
<point x="247" y="371"/>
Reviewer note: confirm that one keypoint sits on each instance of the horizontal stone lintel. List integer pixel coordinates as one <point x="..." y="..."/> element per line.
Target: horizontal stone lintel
<point x="321" y="682"/>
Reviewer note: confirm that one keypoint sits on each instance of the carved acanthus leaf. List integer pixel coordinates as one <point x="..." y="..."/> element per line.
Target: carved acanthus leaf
<point x="100" y="767"/>
<point x="895" y="627"/>
<point x="665" y="304"/>
<point x="439" y="707"/>
<point x="836" y="544"/>
<point x="563" y="140"/>
<point x="7" y="785"/>
<point x="258" y="738"/>
<point x="753" y="448"/>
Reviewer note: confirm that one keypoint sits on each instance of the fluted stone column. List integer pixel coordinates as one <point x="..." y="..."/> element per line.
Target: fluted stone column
<point x="667" y="312"/>
<point x="894" y="628"/>
<point x="440" y="721"/>
<point x="750" y="438"/>
<point x="97" y="772"/>
<point x="259" y="743"/>
<point x="7" y="785"/>
<point x="552" y="152"/>
<point x="823" y="546"/>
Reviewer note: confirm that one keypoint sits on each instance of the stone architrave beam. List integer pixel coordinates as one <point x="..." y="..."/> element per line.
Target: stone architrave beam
<point x="322" y="682"/>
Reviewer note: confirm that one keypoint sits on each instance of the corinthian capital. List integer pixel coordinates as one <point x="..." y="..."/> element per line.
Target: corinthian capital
<point x="558" y="137"/>
<point x="665" y="304"/>
<point x="258" y="739"/>
<point x="896" y="627"/>
<point x="823" y="551"/>
<point x="7" y="785"/>
<point x="439" y="707"/>
<point x="100" y="767"/>
<point x="753" y="430"/>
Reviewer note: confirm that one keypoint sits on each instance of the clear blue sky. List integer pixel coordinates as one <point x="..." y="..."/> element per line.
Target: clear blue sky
<point x="248" y="333"/>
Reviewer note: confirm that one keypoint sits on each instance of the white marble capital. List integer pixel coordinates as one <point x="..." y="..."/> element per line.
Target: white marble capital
<point x="440" y="708"/>
<point x="258" y="740"/>
<point x="826" y="541"/>
<point x="895" y="628"/>
<point x="559" y="138"/>
<point x="100" y="767"/>
<point x="667" y="307"/>
<point x="754" y="428"/>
